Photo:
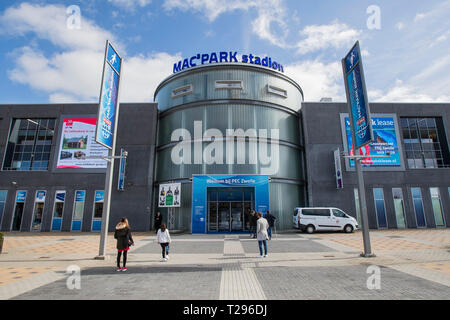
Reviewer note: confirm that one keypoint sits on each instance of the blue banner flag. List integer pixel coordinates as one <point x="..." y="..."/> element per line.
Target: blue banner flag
<point x="107" y="112"/>
<point x="357" y="97"/>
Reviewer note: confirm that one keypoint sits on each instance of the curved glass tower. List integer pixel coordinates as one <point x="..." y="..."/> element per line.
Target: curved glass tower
<point x="231" y="134"/>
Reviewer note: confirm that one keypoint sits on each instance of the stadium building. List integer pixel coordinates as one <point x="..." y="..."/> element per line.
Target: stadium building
<point x="234" y="137"/>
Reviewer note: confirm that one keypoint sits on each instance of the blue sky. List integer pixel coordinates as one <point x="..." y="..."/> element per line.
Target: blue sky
<point x="406" y="52"/>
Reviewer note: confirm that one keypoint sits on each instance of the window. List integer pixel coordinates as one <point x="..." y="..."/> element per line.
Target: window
<point x="182" y="91"/>
<point x="3" y="194"/>
<point x="98" y="210"/>
<point x="380" y="208"/>
<point x="339" y="214"/>
<point x="58" y="210"/>
<point x="228" y="84"/>
<point x="38" y="212"/>
<point x="399" y="207"/>
<point x="437" y="207"/>
<point x="418" y="207"/>
<point x="29" y="144"/>
<point x="425" y="143"/>
<point x="316" y="212"/>
<point x="18" y="210"/>
<point x="277" y="91"/>
<point x="78" y="210"/>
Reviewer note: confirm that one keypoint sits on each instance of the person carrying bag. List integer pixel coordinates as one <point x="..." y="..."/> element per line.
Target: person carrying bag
<point x="124" y="241"/>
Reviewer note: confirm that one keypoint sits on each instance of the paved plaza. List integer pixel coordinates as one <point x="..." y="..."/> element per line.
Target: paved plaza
<point x="411" y="264"/>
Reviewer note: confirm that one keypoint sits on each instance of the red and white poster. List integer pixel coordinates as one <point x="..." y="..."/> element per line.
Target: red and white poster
<point x="78" y="149"/>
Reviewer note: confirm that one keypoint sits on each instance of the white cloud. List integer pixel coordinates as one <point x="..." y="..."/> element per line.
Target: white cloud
<point x="50" y="23"/>
<point x="437" y="10"/>
<point x="400" y="25"/>
<point x="130" y="5"/>
<point x="419" y="17"/>
<point x="76" y="73"/>
<point x="142" y="74"/>
<point x="270" y="13"/>
<point x="318" y="79"/>
<point x="318" y="37"/>
<point x="211" y="8"/>
<point x="73" y="74"/>
<point x="401" y="92"/>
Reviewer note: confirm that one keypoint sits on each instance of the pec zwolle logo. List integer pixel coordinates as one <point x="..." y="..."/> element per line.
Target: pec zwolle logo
<point x="361" y="127"/>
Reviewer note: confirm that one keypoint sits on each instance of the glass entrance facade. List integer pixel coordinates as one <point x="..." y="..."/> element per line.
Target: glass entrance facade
<point x="229" y="209"/>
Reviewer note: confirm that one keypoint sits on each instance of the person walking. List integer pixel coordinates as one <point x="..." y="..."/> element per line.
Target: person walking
<point x="124" y="241"/>
<point x="251" y="221"/>
<point x="254" y="218"/>
<point x="271" y="220"/>
<point x="164" y="240"/>
<point x="158" y="221"/>
<point x="261" y="234"/>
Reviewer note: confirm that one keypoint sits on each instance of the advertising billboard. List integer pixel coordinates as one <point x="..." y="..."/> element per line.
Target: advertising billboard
<point x="385" y="140"/>
<point x="169" y="195"/>
<point x="78" y="144"/>
<point x="107" y="111"/>
<point x="357" y="97"/>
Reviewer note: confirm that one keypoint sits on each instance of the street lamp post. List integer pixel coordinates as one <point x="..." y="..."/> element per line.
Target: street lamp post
<point x="362" y="201"/>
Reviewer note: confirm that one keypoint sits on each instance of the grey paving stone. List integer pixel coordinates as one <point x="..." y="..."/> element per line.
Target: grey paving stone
<point x="275" y="246"/>
<point x="144" y="283"/>
<point x="190" y="247"/>
<point x="344" y="283"/>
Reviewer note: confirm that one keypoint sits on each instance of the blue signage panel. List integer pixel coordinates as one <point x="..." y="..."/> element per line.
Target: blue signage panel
<point x="21" y="196"/>
<point x="226" y="57"/>
<point x="357" y="97"/>
<point x="351" y="59"/>
<point x="107" y="112"/>
<point x="199" y="194"/>
<point x="385" y="140"/>
<point x="121" y="178"/>
<point x="113" y="58"/>
<point x="80" y="195"/>
<point x="99" y="196"/>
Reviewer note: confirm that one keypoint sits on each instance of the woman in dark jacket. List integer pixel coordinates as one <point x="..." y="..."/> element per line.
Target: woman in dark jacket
<point x="124" y="240"/>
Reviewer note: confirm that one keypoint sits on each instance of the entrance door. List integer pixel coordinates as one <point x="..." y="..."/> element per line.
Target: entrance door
<point x="237" y="216"/>
<point x="229" y="209"/>
<point x="224" y="216"/>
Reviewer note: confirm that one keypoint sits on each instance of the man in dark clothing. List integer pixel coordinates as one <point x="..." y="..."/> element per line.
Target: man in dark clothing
<point x="253" y="219"/>
<point x="158" y="221"/>
<point x="271" y="219"/>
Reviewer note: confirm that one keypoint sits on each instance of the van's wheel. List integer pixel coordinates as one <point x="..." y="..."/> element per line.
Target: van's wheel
<point x="310" y="229"/>
<point x="348" y="229"/>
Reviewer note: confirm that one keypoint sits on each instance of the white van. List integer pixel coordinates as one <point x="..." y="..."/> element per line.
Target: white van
<point x="323" y="219"/>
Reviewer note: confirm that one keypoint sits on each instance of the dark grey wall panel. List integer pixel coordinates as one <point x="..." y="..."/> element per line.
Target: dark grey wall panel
<point x="136" y="134"/>
<point x="322" y="131"/>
